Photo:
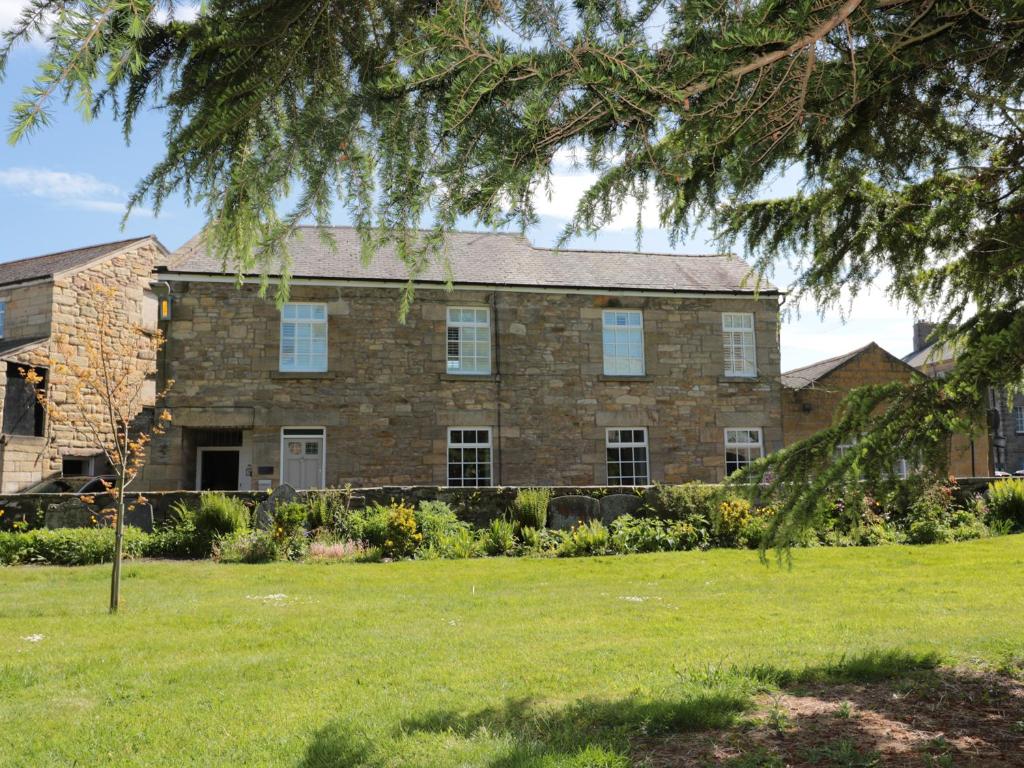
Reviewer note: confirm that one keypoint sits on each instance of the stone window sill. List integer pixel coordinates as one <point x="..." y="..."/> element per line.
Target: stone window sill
<point x="740" y="380"/>
<point x="469" y="377"/>
<point x="290" y="375"/>
<point x="606" y="377"/>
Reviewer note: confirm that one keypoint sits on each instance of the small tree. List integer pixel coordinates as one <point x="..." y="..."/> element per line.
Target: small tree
<point x="98" y="386"/>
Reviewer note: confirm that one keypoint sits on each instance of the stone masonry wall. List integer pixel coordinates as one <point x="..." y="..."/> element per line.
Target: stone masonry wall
<point x="807" y="411"/>
<point x="387" y="401"/>
<point x="72" y="313"/>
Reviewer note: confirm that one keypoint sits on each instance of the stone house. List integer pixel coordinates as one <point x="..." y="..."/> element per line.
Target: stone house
<point x="812" y="394"/>
<point x="43" y="299"/>
<point x="537" y="367"/>
<point x="1004" y="443"/>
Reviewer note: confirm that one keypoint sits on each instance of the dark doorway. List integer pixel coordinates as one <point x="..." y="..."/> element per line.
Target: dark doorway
<point x="23" y="414"/>
<point x="218" y="470"/>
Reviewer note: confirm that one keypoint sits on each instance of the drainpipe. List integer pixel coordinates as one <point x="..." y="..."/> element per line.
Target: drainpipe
<point x="497" y="387"/>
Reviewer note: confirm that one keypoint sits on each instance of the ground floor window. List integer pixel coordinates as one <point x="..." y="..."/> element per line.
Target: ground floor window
<point x="627" y="456"/>
<point x="1018" y="413"/>
<point x="469" y="456"/>
<point x="742" y="448"/>
<point x="303" y="456"/>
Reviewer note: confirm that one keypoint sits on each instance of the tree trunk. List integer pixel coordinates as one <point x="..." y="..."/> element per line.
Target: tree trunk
<point x="115" y="576"/>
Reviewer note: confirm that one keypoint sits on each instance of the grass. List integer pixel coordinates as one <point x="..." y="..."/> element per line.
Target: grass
<point x="507" y="663"/>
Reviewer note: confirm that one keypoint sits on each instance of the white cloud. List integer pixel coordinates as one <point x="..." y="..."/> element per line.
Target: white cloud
<point x="559" y="201"/>
<point x="77" y="190"/>
<point x="10" y="10"/>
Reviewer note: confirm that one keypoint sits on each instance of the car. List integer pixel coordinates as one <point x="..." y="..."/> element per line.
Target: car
<point x="72" y="484"/>
<point x="1019" y="473"/>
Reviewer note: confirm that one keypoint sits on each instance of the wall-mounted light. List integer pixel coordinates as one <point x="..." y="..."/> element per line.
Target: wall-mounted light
<point x="165" y="307"/>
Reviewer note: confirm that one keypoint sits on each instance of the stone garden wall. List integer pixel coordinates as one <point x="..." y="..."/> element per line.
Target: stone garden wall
<point x="475" y="505"/>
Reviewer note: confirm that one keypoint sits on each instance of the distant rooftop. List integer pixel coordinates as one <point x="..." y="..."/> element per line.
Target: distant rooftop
<point x="50" y="264"/>
<point x="498" y="258"/>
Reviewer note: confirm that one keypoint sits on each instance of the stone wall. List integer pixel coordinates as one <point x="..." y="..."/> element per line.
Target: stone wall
<point x="387" y="401"/>
<point x="29" y="310"/>
<point x="476" y="505"/>
<point x="809" y="410"/>
<point x="70" y="312"/>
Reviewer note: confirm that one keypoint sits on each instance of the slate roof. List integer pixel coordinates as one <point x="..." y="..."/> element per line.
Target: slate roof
<point x="10" y="346"/>
<point x="933" y="354"/>
<point x="798" y="378"/>
<point x="495" y="258"/>
<point x="50" y="264"/>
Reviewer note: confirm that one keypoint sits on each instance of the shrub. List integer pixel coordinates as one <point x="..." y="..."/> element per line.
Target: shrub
<point x="391" y="528"/>
<point x="929" y="531"/>
<point x="328" y="509"/>
<point x="178" y="540"/>
<point x="686" y="535"/>
<point x="436" y="521"/>
<point x="590" y="538"/>
<point x="540" y="541"/>
<point x="694" y="502"/>
<point x="289" y="520"/>
<point x="530" y="508"/>
<point x="1006" y="502"/>
<point x="640" y="534"/>
<point x="219" y="515"/>
<point x="458" y="544"/>
<point x="68" y="546"/>
<point x="247" y="546"/>
<point x="731" y="520"/>
<point x="327" y="550"/>
<point x="499" y="538"/>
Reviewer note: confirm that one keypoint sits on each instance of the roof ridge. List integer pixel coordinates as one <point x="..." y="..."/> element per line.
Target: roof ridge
<point x="352" y="228"/>
<point x="826" y="360"/>
<point x="72" y="250"/>
<point x="639" y="253"/>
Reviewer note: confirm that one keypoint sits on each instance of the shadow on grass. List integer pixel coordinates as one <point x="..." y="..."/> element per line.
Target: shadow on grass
<point x="715" y="702"/>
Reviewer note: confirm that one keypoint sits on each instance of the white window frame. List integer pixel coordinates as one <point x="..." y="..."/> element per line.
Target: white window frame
<point x="456" y="364"/>
<point x="489" y="446"/>
<point x="303" y="433"/>
<point x="746" y="446"/>
<point x="1018" y="415"/>
<point x="294" y="366"/>
<point x="736" y="345"/>
<point x="615" y="364"/>
<point x="3" y="318"/>
<point x="619" y="444"/>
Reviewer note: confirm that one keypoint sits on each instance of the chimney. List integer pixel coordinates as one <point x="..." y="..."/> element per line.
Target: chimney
<point x="922" y="330"/>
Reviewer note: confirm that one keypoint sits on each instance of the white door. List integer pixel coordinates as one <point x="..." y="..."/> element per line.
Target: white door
<point x="302" y="458"/>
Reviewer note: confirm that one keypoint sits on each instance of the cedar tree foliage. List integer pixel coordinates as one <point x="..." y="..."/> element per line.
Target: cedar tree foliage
<point x="905" y="116"/>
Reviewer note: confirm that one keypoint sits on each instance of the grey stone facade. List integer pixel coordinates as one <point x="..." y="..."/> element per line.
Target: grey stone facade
<point x="387" y="401"/>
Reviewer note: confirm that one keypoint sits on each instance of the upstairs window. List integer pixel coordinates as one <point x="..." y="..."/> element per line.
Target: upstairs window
<point x="303" y="338"/>
<point x="469" y="456"/>
<point x="627" y="456"/>
<point x="742" y="448"/>
<point x="469" y="340"/>
<point x="3" y="318"/>
<point x="738" y="338"/>
<point x="623" y="333"/>
<point x="1018" y="415"/>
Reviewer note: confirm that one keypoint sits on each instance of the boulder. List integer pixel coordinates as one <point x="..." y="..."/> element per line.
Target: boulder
<point x="617" y="504"/>
<point x="140" y="515"/>
<point x="283" y="494"/>
<point x="566" y="511"/>
<point x="69" y="513"/>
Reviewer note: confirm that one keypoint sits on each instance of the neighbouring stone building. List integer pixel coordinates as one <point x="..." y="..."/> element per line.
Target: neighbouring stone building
<point x="812" y="394"/>
<point x="44" y="299"/>
<point x="538" y="367"/>
<point x="1005" y="439"/>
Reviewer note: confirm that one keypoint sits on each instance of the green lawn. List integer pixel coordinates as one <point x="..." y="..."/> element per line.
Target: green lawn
<point x="490" y="662"/>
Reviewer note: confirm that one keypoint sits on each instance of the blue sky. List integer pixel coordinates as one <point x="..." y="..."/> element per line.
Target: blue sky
<point x="65" y="187"/>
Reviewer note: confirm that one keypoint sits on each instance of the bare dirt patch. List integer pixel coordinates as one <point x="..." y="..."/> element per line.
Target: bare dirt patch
<point x="939" y="719"/>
